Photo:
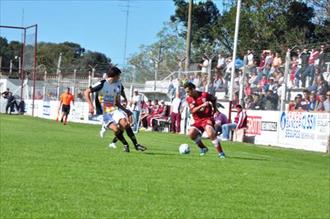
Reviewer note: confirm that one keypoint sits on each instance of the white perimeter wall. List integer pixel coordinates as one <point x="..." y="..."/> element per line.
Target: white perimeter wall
<point x="300" y="130"/>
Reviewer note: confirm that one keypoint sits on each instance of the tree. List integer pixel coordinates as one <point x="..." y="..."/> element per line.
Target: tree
<point x="264" y="24"/>
<point x="171" y="46"/>
<point x="205" y="15"/>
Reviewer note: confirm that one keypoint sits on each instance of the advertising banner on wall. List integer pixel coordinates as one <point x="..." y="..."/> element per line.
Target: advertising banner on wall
<point x="261" y="127"/>
<point x="304" y="130"/>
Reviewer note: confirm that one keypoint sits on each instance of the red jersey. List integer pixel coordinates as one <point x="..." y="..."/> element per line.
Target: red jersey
<point x="203" y="113"/>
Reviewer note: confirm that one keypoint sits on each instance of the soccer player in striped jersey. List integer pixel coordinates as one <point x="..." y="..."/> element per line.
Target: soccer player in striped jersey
<point x="114" y="117"/>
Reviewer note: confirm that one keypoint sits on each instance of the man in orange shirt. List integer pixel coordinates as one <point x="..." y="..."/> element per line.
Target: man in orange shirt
<point x="65" y="102"/>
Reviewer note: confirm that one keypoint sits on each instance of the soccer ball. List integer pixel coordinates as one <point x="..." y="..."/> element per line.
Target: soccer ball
<point x="184" y="149"/>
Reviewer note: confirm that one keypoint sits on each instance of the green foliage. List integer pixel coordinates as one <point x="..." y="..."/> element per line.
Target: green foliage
<point x="169" y="45"/>
<point x="73" y="57"/>
<point x="53" y="171"/>
<point x="264" y="24"/>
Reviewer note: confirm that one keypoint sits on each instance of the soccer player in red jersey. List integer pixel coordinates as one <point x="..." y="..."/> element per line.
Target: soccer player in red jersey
<point x="202" y="106"/>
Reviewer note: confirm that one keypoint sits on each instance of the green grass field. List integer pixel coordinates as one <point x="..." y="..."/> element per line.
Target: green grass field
<point x="53" y="171"/>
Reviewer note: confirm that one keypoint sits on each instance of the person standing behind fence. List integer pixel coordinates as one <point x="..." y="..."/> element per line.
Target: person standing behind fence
<point x="176" y="113"/>
<point x="65" y="102"/>
<point x="136" y="107"/>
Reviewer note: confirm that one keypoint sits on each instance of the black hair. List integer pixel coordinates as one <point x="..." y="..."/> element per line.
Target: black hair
<point x="189" y="85"/>
<point x="113" y="71"/>
<point x="239" y="106"/>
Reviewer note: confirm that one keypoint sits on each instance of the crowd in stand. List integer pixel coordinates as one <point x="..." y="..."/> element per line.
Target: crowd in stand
<point x="264" y="77"/>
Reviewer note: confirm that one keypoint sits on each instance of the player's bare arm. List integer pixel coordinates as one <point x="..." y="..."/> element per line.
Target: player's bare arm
<point x="198" y="108"/>
<point x="213" y="101"/>
<point x="88" y="99"/>
<point x="118" y="104"/>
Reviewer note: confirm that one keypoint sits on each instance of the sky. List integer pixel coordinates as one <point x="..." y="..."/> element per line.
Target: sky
<point x="97" y="25"/>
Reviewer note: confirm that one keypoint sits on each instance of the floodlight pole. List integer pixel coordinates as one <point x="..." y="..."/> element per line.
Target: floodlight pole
<point x="21" y="63"/>
<point x="285" y="84"/>
<point x="235" y="50"/>
<point x="231" y="94"/>
<point x="188" y="39"/>
<point x="34" y="67"/>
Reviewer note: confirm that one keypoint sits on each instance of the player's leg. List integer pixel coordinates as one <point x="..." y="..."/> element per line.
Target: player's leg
<point x="215" y="141"/>
<point x="109" y="123"/>
<point x="67" y="111"/>
<point x="62" y="116"/>
<point x="120" y="118"/>
<point x="196" y="135"/>
<point x="123" y="123"/>
<point x="63" y="112"/>
<point x="119" y="134"/>
<point x="113" y="143"/>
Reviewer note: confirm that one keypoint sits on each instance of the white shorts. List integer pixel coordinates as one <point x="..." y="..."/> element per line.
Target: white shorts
<point x="113" y="117"/>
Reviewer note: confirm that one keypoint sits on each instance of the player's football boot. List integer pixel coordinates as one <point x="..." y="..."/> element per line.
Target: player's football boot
<point x="139" y="147"/>
<point x="126" y="148"/>
<point x="203" y="151"/>
<point x="222" y="155"/>
<point x="112" y="145"/>
<point x="102" y="131"/>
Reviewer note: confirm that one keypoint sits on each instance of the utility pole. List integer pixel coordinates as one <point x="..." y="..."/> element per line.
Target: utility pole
<point x="180" y="63"/>
<point x="11" y="67"/>
<point x="188" y="39"/>
<point x="58" y="73"/>
<point x="157" y="61"/>
<point x="126" y="31"/>
<point x="93" y="69"/>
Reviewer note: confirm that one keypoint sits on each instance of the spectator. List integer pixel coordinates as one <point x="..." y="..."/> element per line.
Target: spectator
<point x="263" y="84"/>
<point x="310" y="70"/>
<point x="326" y="102"/>
<point x="136" y="109"/>
<point x="249" y="103"/>
<point x="311" y="106"/>
<point x="176" y="111"/>
<point x="268" y="62"/>
<point x="240" y="121"/>
<point x="161" y="116"/>
<point x="253" y="81"/>
<point x="219" y="119"/>
<point x="293" y="72"/>
<point x="321" y="85"/>
<point x="272" y="86"/>
<point x="204" y="66"/>
<point x="247" y="89"/>
<point x="321" y="62"/>
<point x="221" y="65"/>
<point x="298" y="103"/>
<point x="277" y="62"/>
<point x="270" y="100"/>
<point x="219" y="82"/>
<point x="319" y="107"/>
<point x="306" y="98"/>
<point x="145" y="112"/>
<point x="304" y="56"/>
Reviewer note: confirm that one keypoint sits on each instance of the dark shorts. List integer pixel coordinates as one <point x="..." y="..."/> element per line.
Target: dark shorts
<point x="202" y="123"/>
<point x="66" y="109"/>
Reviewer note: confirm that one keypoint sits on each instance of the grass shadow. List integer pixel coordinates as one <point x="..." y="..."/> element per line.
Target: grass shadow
<point x="247" y="158"/>
<point x="159" y="153"/>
